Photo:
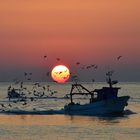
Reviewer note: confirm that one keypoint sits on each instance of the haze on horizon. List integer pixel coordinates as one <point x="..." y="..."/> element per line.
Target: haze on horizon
<point x="86" y="31"/>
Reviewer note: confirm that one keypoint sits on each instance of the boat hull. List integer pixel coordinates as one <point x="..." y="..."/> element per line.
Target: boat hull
<point x="103" y="107"/>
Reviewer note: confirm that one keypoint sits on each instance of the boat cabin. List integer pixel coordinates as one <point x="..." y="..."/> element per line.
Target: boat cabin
<point x="96" y="95"/>
<point x="106" y="93"/>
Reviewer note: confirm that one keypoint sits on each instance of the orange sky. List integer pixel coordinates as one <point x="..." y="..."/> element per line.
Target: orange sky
<point x="90" y="31"/>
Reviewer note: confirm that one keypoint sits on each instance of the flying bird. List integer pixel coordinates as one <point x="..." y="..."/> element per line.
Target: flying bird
<point x="36" y="84"/>
<point x="96" y="66"/>
<point x="92" y="65"/>
<point x="58" y="59"/>
<point x="25" y="73"/>
<point x="77" y="63"/>
<point x="44" y="87"/>
<point x="9" y="87"/>
<point x="88" y="67"/>
<point x="119" y="57"/>
<point x="29" y="79"/>
<point x="10" y="105"/>
<point x="32" y="99"/>
<point x="60" y="72"/>
<point x="48" y="73"/>
<point x="2" y="105"/>
<point x="93" y="80"/>
<point x="45" y="56"/>
<point x="24" y="103"/>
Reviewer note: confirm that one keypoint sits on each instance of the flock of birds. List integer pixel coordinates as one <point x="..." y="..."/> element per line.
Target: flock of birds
<point x="23" y="95"/>
<point x="39" y="91"/>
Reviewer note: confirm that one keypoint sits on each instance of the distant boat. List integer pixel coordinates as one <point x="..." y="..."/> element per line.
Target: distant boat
<point x="102" y="101"/>
<point x="13" y="94"/>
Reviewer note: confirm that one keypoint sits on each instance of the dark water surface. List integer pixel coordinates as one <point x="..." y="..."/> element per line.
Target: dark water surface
<point x="62" y="127"/>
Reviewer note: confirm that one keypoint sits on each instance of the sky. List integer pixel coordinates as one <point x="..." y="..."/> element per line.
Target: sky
<point x="85" y="31"/>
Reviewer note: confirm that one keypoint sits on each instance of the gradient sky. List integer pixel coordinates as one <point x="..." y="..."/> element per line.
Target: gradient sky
<point x="89" y="31"/>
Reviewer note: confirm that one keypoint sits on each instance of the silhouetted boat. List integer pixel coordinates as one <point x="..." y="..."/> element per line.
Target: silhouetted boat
<point x="14" y="93"/>
<point x="102" y="101"/>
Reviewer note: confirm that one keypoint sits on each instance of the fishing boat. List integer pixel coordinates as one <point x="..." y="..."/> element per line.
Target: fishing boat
<point x="14" y="94"/>
<point x="101" y="101"/>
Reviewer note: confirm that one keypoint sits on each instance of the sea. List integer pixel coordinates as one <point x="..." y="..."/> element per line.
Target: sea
<point x="64" y="127"/>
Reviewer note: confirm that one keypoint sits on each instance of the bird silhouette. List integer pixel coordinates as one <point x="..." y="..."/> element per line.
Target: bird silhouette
<point x="2" y="105"/>
<point x="119" y="57"/>
<point x="29" y="79"/>
<point x="25" y="103"/>
<point x="77" y="63"/>
<point x="96" y="66"/>
<point x="88" y="67"/>
<point x="36" y="84"/>
<point x="44" y="87"/>
<point x="58" y="59"/>
<point x="60" y="72"/>
<point x="9" y="105"/>
<point x="32" y="99"/>
<point x="45" y="56"/>
<point x="9" y="87"/>
<point x="48" y="73"/>
<point x="92" y="65"/>
<point x="25" y="73"/>
<point x="93" y="80"/>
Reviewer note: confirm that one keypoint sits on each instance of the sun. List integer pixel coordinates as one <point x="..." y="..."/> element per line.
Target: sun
<point x="60" y="73"/>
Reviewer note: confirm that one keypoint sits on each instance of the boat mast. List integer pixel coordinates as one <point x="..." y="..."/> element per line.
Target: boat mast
<point x="71" y="100"/>
<point x="77" y="86"/>
<point x="109" y="81"/>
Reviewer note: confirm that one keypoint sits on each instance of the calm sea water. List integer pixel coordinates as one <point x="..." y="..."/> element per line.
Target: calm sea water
<point x="62" y="127"/>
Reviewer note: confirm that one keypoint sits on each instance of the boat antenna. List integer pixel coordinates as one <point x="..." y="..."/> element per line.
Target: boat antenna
<point x="109" y="81"/>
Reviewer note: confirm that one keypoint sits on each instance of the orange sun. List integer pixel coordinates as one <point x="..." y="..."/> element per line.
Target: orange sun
<point x="60" y="73"/>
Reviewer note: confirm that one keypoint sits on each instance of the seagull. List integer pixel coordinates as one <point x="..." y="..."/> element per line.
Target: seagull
<point x="44" y="87"/>
<point x="9" y="87"/>
<point x="48" y="87"/>
<point x="48" y="73"/>
<point x="77" y="63"/>
<point x="24" y="103"/>
<point x="29" y="79"/>
<point x="93" y="80"/>
<point x="88" y="67"/>
<point x="2" y="105"/>
<point x="10" y="105"/>
<point x="55" y="92"/>
<point x="92" y="65"/>
<point x="60" y="72"/>
<point x="42" y="94"/>
<point x="29" y="92"/>
<point x="58" y="59"/>
<point x="51" y="92"/>
<point x="96" y="66"/>
<point x="119" y="57"/>
<point x="32" y="99"/>
<point x="36" y="84"/>
<point x="25" y="73"/>
<point x="45" y="56"/>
